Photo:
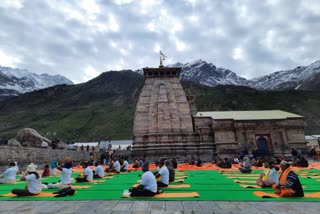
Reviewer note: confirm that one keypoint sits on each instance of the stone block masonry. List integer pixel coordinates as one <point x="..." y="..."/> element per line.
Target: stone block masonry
<point x="38" y="156"/>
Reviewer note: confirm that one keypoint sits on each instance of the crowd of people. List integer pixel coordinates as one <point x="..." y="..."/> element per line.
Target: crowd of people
<point x="286" y="183"/>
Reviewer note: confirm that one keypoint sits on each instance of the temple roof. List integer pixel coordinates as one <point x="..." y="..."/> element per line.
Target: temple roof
<point x="249" y="115"/>
<point x="162" y="71"/>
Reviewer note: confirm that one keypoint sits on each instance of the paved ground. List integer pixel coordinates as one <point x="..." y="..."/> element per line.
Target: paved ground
<point x="155" y="207"/>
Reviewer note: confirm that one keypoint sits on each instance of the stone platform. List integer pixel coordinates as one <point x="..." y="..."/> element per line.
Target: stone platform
<point x="155" y="207"/>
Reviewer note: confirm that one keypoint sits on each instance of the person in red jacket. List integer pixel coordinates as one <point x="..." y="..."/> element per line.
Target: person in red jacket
<point x="46" y="171"/>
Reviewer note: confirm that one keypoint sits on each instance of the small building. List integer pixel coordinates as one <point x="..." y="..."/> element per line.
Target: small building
<point x="312" y="141"/>
<point x="265" y="132"/>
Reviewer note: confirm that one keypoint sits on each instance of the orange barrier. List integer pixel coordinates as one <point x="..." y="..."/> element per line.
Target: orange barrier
<point x="206" y="166"/>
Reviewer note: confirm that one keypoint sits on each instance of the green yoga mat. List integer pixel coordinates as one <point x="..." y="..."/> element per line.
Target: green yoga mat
<point x="211" y="185"/>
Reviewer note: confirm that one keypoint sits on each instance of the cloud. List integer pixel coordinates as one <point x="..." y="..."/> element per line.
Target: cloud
<point x="89" y="73"/>
<point x="82" y="38"/>
<point x="7" y="60"/>
<point x="11" y="4"/>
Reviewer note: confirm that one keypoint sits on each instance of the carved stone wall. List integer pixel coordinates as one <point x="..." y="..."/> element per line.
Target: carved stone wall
<point x="230" y="136"/>
<point x="163" y="125"/>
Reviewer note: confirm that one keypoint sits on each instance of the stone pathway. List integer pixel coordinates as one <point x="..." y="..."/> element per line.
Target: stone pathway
<point x="155" y="207"/>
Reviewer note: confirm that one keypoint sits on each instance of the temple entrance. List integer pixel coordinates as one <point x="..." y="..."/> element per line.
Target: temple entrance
<point x="264" y="146"/>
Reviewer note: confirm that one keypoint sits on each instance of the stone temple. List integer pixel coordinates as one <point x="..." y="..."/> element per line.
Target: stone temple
<point x="166" y="124"/>
<point x="163" y="124"/>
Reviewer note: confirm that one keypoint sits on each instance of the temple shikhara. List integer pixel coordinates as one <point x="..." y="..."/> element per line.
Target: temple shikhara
<point x="166" y="124"/>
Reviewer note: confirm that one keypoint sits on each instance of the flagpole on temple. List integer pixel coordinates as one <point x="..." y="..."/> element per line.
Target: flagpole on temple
<point x="162" y="57"/>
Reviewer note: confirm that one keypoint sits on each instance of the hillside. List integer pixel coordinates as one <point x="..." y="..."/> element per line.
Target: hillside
<point x="104" y="107"/>
<point x="99" y="108"/>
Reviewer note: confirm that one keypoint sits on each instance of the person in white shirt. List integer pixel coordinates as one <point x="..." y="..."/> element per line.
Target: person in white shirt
<point x="34" y="185"/>
<point x="125" y="166"/>
<point x="162" y="175"/>
<point x="148" y="185"/>
<point x="116" y="166"/>
<point x="9" y="176"/>
<point x="65" y="176"/>
<point x="88" y="174"/>
<point x="44" y="144"/>
<point x="269" y="176"/>
<point x="98" y="172"/>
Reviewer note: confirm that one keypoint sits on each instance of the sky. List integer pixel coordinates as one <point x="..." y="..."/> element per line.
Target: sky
<point x="80" y="39"/>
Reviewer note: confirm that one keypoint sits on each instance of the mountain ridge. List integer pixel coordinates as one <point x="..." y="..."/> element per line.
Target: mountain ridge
<point x="104" y="107"/>
<point x="18" y="81"/>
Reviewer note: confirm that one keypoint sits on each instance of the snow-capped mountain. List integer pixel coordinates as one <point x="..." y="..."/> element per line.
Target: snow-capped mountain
<point x="208" y="74"/>
<point x="17" y="81"/>
<point x="289" y="79"/>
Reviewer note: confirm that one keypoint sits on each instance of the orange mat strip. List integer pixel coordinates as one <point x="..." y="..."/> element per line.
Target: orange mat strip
<point x="256" y="186"/>
<point x="42" y="194"/>
<point x="172" y="186"/>
<point x="177" y="181"/>
<point x="171" y="195"/>
<point x="181" y="177"/>
<point x="97" y="181"/>
<point x="244" y="182"/>
<point x="272" y="195"/>
<point x="248" y="177"/>
<point x="249" y="186"/>
<point x="80" y="187"/>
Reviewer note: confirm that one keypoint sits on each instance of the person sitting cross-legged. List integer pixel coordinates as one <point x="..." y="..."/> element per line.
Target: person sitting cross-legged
<point x="135" y="164"/>
<point x="88" y="174"/>
<point x="114" y="166"/>
<point x="46" y="171"/>
<point x="34" y="185"/>
<point x="98" y="172"/>
<point x="65" y="176"/>
<point x="148" y="185"/>
<point x="171" y="170"/>
<point x="289" y="184"/>
<point x="124" y="166"/>
<point x="269" y="176"/>
<point x="245" y="166"/>
<point x="9" y="176"/>
<point x="162" y="175"/>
